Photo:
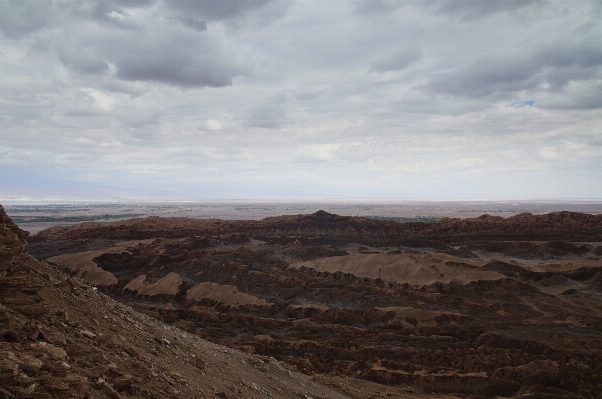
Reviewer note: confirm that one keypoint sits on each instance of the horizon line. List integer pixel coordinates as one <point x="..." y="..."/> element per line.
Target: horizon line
<point x="226" y="201"/>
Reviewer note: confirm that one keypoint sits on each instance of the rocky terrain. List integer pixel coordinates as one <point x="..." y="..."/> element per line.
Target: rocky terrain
<point x="62" y="338"/>
<point x="481" y="307"/>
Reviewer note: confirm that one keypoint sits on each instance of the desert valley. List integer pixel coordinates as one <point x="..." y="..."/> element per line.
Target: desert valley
<point x="350" y="199"/>
<point x="309" y="305"/>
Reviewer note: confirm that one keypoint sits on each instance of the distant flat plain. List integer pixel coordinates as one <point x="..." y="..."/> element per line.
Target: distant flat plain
<point x="34" y="218"/>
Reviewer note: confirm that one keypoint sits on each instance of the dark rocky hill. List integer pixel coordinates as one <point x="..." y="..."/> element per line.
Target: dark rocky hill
<point x="563" y="225"/>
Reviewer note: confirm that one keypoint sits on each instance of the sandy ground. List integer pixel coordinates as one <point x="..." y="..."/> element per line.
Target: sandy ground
<point x="227" y="294"/>
<point x="82" y="263"/>
<point x="412" y="269"/>
<point x="84" y="266"/>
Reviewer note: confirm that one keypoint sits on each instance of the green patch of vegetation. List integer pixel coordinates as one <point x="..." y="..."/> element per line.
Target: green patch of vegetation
<point x="424" y="219"/>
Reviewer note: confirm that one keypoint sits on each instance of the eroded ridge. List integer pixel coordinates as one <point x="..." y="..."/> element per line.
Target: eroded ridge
<point x="61" y="338"/>
<point x="485" y="306"/>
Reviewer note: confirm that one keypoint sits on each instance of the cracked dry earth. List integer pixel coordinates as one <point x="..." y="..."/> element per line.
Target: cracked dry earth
<point x="483" y="307"/>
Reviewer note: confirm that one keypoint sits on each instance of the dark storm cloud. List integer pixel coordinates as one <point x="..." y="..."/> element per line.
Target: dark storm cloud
<point x="215" y="10"/>
<point x="397" y="61"/>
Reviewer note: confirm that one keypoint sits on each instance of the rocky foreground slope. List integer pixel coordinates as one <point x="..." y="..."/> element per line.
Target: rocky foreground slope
<point x="61" y="338"/>
<point x="484" y="307"/>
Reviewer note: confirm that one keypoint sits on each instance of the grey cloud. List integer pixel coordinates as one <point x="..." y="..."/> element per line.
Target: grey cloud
<point x="178" y="63"/>
<point x="82" y="60"/>
<point x="555" y="66"/>
<point x="558" y="78"/>
<point x="89" y="69"/>
<point x="107" y="13"/>
<point x="215" y="10"/>
<point x="569" y="54"/>
<point x="122" y="86"/>
<point x="268" y="118"/>
<point x="466" y="10"/>
<point x="474" y="9"/>
<point x="134" y="3"/>
<point x="21" y="17"/>
<point x="485" y="77"/>
<point x="596" y="141"/>
<point x="139" y="51"/>
<point x="269" y="115"/>
<point x="185" y="64"/>
<point x="584" y="102"/>
<point x="193" y="23"/>
<point x="369" y="7"/>
<point x="586" y="96"/>
<point x="166" y="53"/>
<point x="397" y="61"/>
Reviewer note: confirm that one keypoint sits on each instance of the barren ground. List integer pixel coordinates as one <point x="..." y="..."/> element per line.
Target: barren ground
<point x="487" y="306"/>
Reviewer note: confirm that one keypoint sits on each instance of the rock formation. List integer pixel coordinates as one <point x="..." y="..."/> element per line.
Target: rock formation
<point x="485" y="306"/>
<point x="61" y="338"/>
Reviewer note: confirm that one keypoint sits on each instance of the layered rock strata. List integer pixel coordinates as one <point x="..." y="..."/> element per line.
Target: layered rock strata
<point x="485" y="306"/>
<point x="61" y="338"/>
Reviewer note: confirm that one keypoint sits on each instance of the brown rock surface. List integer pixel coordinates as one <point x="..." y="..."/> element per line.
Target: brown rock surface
<point x="564" y="225"/>
<point x="226" y="294"/>
<point x="86" y="345"/>
<point x="488" y="306"/>
<point x="167" y="285"/>
<point x="405" y="268"/>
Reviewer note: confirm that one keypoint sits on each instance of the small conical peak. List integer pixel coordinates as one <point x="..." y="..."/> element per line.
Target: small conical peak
<point x="322" y="214"/>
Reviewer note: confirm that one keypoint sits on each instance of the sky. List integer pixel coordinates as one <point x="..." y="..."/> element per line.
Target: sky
<point x="141" y="100"/>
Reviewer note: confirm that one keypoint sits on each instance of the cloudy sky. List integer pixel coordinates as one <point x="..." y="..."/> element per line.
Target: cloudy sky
<point x="132" y="100"/>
